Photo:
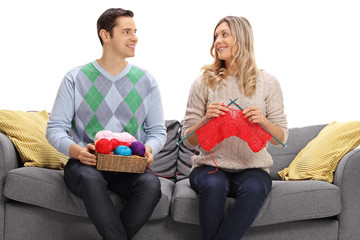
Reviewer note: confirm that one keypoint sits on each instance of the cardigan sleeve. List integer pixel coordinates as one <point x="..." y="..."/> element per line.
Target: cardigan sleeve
<point x="275" y="106"/>
<point x="195" y="108"/>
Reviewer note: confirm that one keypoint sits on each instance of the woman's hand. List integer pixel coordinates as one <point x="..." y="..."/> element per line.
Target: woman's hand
<point x="215" y="109"/>
<point x="254" y="115"/>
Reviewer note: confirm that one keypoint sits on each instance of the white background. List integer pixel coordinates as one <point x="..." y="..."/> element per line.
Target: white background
<point x="311" y="46"/>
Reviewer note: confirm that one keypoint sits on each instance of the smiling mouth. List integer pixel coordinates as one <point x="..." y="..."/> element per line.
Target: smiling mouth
<point x="221" y="49"/>
<point x="131" y="46"/>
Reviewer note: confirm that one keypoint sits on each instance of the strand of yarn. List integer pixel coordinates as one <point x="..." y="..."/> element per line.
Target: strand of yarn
<point x="217" y="168"/>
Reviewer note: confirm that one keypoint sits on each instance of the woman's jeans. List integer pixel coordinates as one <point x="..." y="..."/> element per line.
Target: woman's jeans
<point x="141" y="192"/>
<point x="249" y="188"/>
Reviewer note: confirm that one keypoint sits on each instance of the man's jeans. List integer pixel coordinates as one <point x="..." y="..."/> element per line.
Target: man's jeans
<point x="140" y="191"/>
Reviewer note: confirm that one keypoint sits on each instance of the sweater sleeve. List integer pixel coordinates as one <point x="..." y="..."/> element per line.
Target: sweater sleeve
<point x="154" y="123"/>
<point x="59" y="124"/>
<point x="195" y="109"/>
<point x="275" y="106"/>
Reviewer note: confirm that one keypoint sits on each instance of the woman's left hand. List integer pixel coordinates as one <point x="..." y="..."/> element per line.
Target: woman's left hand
<point x="254" y="115"/>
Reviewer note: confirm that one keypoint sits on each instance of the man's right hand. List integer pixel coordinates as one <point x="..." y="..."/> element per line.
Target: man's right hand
<point x="85" y="155"/>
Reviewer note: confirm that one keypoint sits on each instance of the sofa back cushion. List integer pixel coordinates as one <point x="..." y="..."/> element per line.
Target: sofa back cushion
<point x="175" y="159"/>
<point x="297" y="140"/>
<point x="184" y="164"/>
<point x="165" y="161"/>
<point x="319" y="159"/>
<point x="282" y="157"/>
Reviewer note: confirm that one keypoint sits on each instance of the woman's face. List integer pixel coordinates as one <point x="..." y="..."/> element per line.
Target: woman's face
<point x="223" y="43"/>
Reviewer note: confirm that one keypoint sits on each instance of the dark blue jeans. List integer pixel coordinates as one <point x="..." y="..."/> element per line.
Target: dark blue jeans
<point x="141" y="192"/>
<point x="249" y="188"/>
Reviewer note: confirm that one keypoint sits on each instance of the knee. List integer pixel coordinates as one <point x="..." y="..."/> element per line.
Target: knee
<point x="84" y="179"/>
<point x="151" y="184"/>
<point x="213" y="184"/>
<point x="90" y="176"/>
<point x="256" y="189"/>
<point x="209" y="185"/>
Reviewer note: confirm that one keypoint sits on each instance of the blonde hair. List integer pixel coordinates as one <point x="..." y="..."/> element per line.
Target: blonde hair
<point x="244" y="58"/>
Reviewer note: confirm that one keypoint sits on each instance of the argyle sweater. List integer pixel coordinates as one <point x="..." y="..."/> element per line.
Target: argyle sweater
<point x="89" y="100"/>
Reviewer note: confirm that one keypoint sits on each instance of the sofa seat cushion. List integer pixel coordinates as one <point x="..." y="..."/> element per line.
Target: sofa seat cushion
<point x="46" y="188"/>
<point x="287" y="201"/>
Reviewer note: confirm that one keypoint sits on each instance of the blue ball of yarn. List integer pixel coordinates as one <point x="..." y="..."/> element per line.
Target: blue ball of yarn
<point x="138" y="148"/>
<point x="123" y="150"/>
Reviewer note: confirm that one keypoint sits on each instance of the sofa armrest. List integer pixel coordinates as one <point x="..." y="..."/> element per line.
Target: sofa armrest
<point x="8" y="156"/>
<point x="8" y="161"/>
<point x="347" y="178"/>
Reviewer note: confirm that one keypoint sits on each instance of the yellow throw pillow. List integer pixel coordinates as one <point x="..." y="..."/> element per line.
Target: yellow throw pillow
<point x="27" y="132"/>
<point x="319" y="159"/>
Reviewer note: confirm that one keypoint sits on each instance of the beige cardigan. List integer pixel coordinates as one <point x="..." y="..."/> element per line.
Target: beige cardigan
<point x="233" y="154"/>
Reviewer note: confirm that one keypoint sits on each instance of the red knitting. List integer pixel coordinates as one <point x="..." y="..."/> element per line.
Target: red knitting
<point x="232" y="123"/>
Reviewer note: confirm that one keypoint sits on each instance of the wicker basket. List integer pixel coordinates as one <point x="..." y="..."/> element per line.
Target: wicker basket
<point x="119" y="163"/>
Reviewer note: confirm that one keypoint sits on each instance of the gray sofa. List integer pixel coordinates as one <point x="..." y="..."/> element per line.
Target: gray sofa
<point x="36" y="205"/>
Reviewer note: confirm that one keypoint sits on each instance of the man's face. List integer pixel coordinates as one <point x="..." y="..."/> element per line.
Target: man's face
<point x="124" y="39"/>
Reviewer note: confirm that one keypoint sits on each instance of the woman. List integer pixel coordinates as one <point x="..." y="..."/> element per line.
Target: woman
<point x="242" y="173"/>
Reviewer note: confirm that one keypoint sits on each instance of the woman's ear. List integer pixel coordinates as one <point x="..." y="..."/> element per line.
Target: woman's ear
<point x="105" y="35"/>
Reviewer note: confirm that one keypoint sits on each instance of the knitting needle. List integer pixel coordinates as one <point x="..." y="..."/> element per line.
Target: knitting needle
<point x="284" y="145"/>
<point x="201" y="125"/>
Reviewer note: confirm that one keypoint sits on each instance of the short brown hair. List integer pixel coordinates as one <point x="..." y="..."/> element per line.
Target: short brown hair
<point x="107" y="20"/>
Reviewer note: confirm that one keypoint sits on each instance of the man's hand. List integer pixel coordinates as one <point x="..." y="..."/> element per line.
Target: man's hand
<point x="86" y="155"/>
<point x="149" y="156"/>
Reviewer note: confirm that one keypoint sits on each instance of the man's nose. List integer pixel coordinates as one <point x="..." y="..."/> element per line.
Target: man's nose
<point x="134" y="38"/>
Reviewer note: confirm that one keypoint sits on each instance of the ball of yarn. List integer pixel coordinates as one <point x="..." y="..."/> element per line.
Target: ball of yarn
<point x="103" y="146"/>
<point x="104" y="134"/>
<point x="122" y="150"/>
<point x="124" y="137"/>
<point x="138" y="148"/>
<point x="124" y="143"/>
<point x="114" y="143"/>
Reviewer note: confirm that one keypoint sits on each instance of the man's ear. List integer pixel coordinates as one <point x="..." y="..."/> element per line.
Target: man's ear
<point x="105" y="35"/>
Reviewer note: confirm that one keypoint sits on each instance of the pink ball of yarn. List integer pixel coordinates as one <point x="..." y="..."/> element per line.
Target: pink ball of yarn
<point x="104" y="134"/>
<point x="124" y="137"/>
<point x="138" y="148"/>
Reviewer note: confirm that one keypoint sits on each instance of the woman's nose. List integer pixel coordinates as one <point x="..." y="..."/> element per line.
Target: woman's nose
<point x="217" y="40"/>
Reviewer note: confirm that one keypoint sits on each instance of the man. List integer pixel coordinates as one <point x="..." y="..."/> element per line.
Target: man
<point x="110" y="93"/>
